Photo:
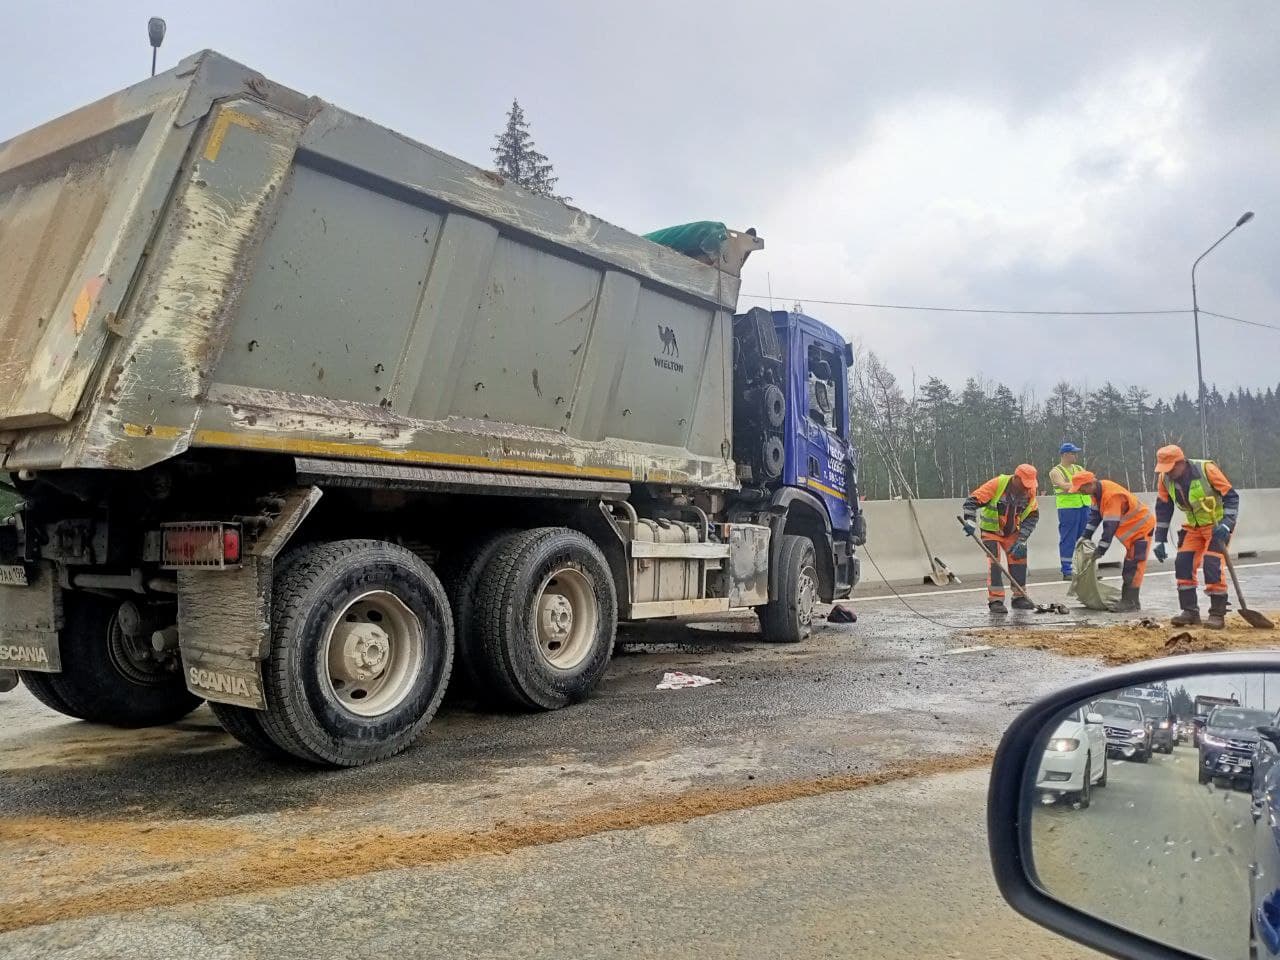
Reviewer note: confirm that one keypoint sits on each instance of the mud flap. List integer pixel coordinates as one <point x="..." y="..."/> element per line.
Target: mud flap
<point x="30" y="618"/>
<point x="224" y="616"/>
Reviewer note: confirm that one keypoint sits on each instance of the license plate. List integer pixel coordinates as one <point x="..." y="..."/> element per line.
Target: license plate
<point x="13" y="575"/>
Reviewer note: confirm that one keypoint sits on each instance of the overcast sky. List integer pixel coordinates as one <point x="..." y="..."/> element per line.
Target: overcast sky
<point x="1014" y="154"/>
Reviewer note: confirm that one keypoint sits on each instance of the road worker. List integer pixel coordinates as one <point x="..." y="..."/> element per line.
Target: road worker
<point x="1212" y="506"/>
<point x="1073" y="508"/>
<point x="1009" y="514"/>
<point x="1122" y="517"/>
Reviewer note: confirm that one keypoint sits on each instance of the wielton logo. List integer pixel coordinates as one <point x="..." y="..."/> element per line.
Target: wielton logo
<point x="670" y="350"/>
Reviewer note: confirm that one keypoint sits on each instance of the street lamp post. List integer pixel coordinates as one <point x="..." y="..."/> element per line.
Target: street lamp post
<point x="1195" y="309"/>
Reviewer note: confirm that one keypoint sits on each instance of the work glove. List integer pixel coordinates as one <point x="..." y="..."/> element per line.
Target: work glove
<point x="1162" y="551"/>
<point x="1221" y="537"/>
<point x="969" y="528"/>
<point x="1018" y="550"/>
<point x="1103" y="547"/>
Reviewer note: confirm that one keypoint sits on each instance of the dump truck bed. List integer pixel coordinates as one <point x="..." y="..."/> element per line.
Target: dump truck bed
<point x="211" y="260"/>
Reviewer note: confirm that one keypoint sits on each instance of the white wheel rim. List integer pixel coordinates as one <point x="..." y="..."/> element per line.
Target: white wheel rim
<point x="806" y="596"/>
<point x="566" y="618"/>
<point x="373" y="653"/>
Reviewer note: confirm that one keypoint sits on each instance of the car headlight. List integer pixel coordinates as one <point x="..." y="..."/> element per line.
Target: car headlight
<point x="1212" y="741"/>
<point x="1138" y="735"/>
<point x="1063" y="745"/>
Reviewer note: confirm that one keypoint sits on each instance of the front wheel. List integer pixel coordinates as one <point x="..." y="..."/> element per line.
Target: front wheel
<point x="1102" y="780"/>
<point x="361" y="651"/>
<point x="1085" y="797"/>
<point x="788" y="617"/>
<point x="109" y="677"/>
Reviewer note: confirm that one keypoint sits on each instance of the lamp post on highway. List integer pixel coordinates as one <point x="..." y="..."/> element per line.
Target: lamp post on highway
<point x="155" y="34"/>
<point x="1195" y="309"/>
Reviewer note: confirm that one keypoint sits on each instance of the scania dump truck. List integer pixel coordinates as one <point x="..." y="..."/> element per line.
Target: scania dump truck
<point x="306" y="419"/>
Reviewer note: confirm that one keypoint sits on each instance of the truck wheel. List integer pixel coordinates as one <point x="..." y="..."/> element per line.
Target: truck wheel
<point x="108" y="678"/>
<point x="546" y="615"/>
<point x="41" y="687"/>
<point x="788" y="618"/>
<point x="246" y="726"/>
<point x="461" y="575"/>
<point x="361" y="651"/>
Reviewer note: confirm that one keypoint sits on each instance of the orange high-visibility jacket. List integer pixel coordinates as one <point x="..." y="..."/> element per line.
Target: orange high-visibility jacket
<point x="1120" y="514"/>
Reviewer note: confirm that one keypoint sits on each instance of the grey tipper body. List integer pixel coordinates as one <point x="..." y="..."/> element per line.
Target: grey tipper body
<point x="218" y="230"/>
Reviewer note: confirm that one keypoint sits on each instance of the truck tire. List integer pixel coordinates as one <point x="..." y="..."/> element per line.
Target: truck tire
<point x="106" y="678"/>
<point x="246" y="726"/>
<point x="361" y="652"/>
<point x="461" y="575"/>
<point x="788" y="618"/>
<point x="41" y="687"/>
<point x="546" y="616"/>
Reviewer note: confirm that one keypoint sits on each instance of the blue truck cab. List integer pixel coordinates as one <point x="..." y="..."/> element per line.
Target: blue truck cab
<point x="792" y="416"/>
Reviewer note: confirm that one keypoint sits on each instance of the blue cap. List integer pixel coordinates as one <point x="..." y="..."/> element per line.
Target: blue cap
<point x="1069" y="448"/>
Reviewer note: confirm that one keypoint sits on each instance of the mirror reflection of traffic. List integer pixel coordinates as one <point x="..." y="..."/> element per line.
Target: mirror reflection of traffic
<point x="1149" y="796"/>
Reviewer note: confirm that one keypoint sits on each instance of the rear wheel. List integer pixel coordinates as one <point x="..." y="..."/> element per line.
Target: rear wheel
<point x="110" y="677"/>
<point x="362" y="649"/>
<point x="461" y="576"/>
<point x="546" y="615"/>
<point x="41" y="687"/>
<point x="788" y="618"/>
<point x="246" y="726"/>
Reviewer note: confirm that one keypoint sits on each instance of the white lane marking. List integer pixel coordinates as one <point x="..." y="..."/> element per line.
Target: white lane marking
<point x="1037" y="586"/>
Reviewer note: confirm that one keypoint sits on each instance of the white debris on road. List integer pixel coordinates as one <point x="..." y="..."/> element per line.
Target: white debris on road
<point x="675" y="680"/>
<point x="977" y="649"/>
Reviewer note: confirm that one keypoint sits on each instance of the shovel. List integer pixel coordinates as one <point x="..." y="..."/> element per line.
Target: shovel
<point x="995" y="558"/>
<point x="1251" y="617"/>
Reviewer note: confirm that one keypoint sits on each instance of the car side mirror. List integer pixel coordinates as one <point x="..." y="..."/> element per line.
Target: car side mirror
<point x="1073" y="835"/>
<point x="1093" y="718"/>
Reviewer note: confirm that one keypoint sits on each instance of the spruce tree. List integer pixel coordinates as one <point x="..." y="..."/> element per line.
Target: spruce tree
<point x="517" y="158"/>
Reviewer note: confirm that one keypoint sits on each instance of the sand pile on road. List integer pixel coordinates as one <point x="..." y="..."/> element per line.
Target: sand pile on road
<point x="194" y="862"/>
<point x="1132" y="642"/>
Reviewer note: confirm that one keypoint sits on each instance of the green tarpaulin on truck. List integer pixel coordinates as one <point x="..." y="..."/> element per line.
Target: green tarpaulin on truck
<point x="703" y="238"/>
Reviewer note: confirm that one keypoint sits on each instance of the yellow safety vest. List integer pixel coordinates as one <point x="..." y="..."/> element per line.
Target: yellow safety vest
<point x="1203" y="506"/>
<point x="989" y="516"/>
<point x="1065" y="499"/>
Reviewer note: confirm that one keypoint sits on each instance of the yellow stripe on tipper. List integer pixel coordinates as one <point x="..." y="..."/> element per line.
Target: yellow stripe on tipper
<point x="818" y="485"/>
<point x="368" y="451"/>
<point x="226" y="119"/>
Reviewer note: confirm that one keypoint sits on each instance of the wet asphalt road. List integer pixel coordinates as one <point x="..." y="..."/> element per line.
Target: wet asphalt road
<point x="857" y="698"/>
<point x="1155" y="852"/>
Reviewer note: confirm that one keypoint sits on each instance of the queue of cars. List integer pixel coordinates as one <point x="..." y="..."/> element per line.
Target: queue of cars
<point x="1130" y="726"/>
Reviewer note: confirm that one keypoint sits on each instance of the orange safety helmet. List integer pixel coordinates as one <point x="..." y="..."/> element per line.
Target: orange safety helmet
<point x="1027" y="474"/>
<point x="1080" y="479"/>
<point x="1169" y="457"/>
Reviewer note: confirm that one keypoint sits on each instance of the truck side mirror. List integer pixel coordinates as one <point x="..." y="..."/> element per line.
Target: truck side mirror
<point x="848" y="354"/>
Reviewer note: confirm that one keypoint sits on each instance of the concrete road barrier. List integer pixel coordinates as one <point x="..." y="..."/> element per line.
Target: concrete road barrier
<point x="894" y="543"/>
